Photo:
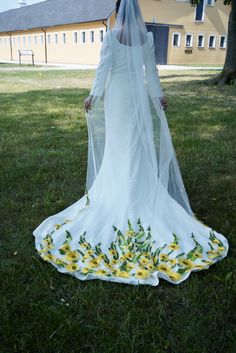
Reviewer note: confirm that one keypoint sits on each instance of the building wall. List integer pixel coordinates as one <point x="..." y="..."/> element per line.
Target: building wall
<point x="180" y="12"/>
<point x="172" y="12"/>
<point x="57" y="51"/>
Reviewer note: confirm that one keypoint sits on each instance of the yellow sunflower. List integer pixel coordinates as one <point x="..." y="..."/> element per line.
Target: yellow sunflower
<point x="113" y="252"/>
<point x="108" y="265"/>
<point x="163" y="268"/>
<point x="175" y="276"/>
<point x="59" y="262"/>
<point x="101" y="272"/>
<point x="72" y="255"/>
<point x="186" y="262"/>
<point x="129" y="255"/>
<point x="216" y="241"/>
<point x="141" y="273"/>
<point x="143" y="261"/>
<point x="212" y="254"/>
<point x="94" y="262"/>
<point x="197" y="254"/>
<point x="164" y="257"/>
<point x="172" y="262"/>
<point x="130" y="266"/>
<point x="199" y="267"/>
<point x="65" y="247"/>
<point x="123" y="274"/>
<point x="221" y="248"/>
<point x="72" y="267"/>
<point x="84" y="244"/>
<point x="85" y="270"/>
<point x="150" y="266"/>
<point x="130" y="233"/>
<point x="173" y="246"/>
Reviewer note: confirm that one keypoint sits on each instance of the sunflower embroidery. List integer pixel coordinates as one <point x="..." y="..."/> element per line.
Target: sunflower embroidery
<point x="131" y="254"/>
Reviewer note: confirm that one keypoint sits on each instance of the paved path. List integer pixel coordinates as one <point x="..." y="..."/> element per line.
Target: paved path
<point x="56" y="66"/>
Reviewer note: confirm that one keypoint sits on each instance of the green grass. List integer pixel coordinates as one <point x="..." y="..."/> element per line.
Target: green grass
<point x="43" y="168"/>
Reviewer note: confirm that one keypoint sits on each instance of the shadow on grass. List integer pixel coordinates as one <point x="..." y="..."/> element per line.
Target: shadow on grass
<point x="43" y="170"/>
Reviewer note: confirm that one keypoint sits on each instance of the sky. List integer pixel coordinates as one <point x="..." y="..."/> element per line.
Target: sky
<point x="12" y="4"/>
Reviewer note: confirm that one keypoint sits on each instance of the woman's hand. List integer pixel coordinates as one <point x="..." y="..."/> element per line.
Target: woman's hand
<point x="87" y="103"/>
<point x="163" y="101"/>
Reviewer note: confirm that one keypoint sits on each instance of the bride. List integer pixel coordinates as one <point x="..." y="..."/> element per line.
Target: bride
<point x="134" y="223"/>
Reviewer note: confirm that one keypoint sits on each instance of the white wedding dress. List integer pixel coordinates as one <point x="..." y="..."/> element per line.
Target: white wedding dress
<point x="123" y="229"/>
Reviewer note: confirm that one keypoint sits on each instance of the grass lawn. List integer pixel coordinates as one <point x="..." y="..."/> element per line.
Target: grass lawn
<point x="43" y="170"/>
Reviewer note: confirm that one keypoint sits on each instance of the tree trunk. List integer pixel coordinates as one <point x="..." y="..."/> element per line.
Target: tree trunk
<point x="228" y="74"/>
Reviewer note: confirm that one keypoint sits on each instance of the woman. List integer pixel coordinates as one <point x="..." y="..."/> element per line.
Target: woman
<point x="134" y="224"/>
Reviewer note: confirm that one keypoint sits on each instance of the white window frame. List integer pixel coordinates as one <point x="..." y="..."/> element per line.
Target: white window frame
<point x="81" y="36"/>
<point x="75" y="36"/>
<point x="24" y="40"/>
<point x="56" y="38"/>
<point x="191" y="41"/>
<point x="35" y="39"/>
<point x="18" y="40"/>
<point x="63" y="35"/>
<point x="29" y="40"/>
<point x="212" y="35"/>
<point x="203" y="13"/>
<point x="212" y="3"/>
<point x="99" y="36"/>
<point x="179" y="39"/>
<point x="90" y="36"/>
<point x="225" y="36"/>
<point x="49" y="38"/>
<point x="41" y="39"/>
<point x="14" y="41"/>
<point x="203" y="42"/>
<point x="0" y="41"/>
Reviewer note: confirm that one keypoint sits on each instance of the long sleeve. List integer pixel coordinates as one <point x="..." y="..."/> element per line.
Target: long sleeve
<point x="151" y="71"/>
<point x="103" y="67"/>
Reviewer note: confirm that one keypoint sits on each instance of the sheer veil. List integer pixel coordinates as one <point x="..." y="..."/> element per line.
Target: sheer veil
<point x="145" y="91"/>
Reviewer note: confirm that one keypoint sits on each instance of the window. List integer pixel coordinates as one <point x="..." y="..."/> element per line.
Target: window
<point x="14" y="41"/>
<point x="91" y="36"/>
<point x="24" y="40"/>
<point x="223" y="41"/>
<point x="29" y="40"/>
<point x="0" y="41"/>
<point x="200" y="41"/>
<point x="176" y="40"/>
<point x="189" y="40"/>
<point x="49" y="39"/>
<point x="199" y="11"/>
<point x="210" y="2"/>
<point x="212" y="41"/>
<point x="35" y="39"/>
<point x="41" y="39"/>
<point x="75" y="37"/>
<point x="101" y="35"/>
<point x="64" y="38"/>
<point x="56" y="38"/>
<point x="5" y="41"/>
<point x="83" y="37"/>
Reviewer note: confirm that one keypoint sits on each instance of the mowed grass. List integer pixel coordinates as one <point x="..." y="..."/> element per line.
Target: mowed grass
<point x="43" y="170"/>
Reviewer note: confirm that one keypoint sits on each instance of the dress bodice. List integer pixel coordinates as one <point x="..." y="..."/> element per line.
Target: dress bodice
<point x="113" y="59"/>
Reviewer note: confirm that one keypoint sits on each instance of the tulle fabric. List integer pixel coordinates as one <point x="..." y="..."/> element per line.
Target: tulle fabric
<point x="144" y="91"/>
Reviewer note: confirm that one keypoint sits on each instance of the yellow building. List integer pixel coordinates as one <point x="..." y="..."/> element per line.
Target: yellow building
<point x="72" y="31"/>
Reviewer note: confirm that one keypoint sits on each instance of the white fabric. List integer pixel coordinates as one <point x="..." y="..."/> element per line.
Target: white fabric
<point x="107" y="59"/>
<point x="134" y="224"/>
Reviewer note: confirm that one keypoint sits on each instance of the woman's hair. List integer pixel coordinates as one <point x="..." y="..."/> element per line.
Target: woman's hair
<point x="117" y="5"/>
